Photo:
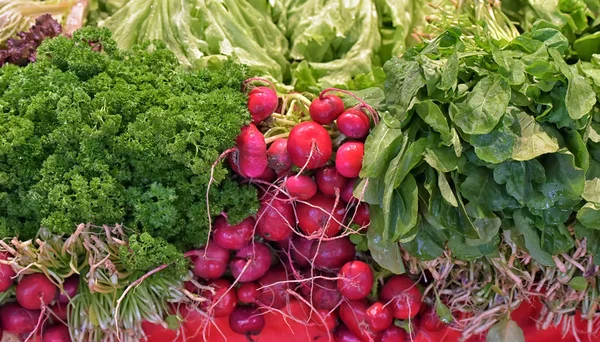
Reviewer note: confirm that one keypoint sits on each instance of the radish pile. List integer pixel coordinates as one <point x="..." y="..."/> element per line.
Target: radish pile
<point x="304" y="157"/>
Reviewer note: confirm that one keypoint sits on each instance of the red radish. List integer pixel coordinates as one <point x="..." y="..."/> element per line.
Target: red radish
<point x="325" y="317"/>
<point x="347" y="191"/>
<point x="301" y="187"/>
<point x="275" y="219"/>
<point x="309" y="145"/>
<point x="262" y="102"/>
<point x="209" y="262"/>
<point x="353" y="313"/>
<point x="319" y="215"/>
<point x="59" y="310"/>
<point x="404" y="296"/>
<point x="273" y="288"/>
<point x="329" y="181"/>
<point x="430" y="321"/>
<point x="233" y="160"/>
<point x="300" y="250"/>
<point x="331" y="255"/>
<point x="18" y="320"/>
<point x="252" y="158"/>
<point x="223" y="301"/>
<point x="394" y="334"/>
<point x="70" y="289"/>
<point x="35" y="291"/>
<point x="379" y="317"/>
<point x="193" y="322"/>
<point x="326" y="109"/>
<point x="233" y="237"/>
<point x="246" y="321"/>
<point x="251" y="262"/>
<point x="354" y="124"/>
<point x="57" y="333"/>
<point x="323" y="294"/>
<point x="6" y="274"/>
<point x="362" y="215"/>
<point x="342" y="334"/>
<point x="268" y="175"/>
<point x="248" y="293"/>
<point x="278" y="157"/>
<point x="355" y="280"/>
<point x="349" y="157"/>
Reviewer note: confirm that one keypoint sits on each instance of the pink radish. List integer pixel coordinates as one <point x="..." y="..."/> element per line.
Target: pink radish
<point x="354" y="123"/>
<point x="309" y="145"/>
<point x="320" y="215"/>
<point x="6" y="274"/>
<point x="301" y="187"/>
<point x="278" y="157"/>
<point x="252" y="158"/>
<point x="330" y="181"/>
<point x="275" y="219"/>
<point x="262" y="102"/>
<point x="209" y="262"/>
<point x="349" y="157"/>
<point x="326" y="109"/>
<point x="233" y="237"/>
<point x="35" y="291"/>
<point x="251" y="262"/>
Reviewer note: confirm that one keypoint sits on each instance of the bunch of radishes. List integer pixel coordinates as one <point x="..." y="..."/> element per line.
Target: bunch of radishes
<point x="297" y="247"/>
<point x="39" y="313"/>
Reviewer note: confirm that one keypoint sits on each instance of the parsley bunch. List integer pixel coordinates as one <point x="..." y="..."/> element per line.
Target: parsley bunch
<point x="89" y="133"/>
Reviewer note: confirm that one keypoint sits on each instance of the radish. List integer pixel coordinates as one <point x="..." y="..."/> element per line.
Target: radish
<point x="273" y="288"/>
<point x="247" y="321"/>
<point x="301" y="187"/>
<point x="430" y="320"/>
<point x="248" y="293"/>
<point x="329" y="181"/>
<point x="233" y="237"/>
<point x="342" y="334"/>
<point x="262" y="102"/>
<point x="394" y="334"/>
<point x="18" y="320"/>
<point x="59" y="310"/>
<point x="300" y="250"/>
<point x="354" y="124"/>
<point x="268" y="175"/>
<point x="258" y="258"/>
<point x="325" y="109"/>
<point x="320" y="215"/>
<point x="6" y="274"/>
<point x="323" y="294"/>
<point x="35" y="291"/>
<point x="309" y="145"/>
<point x="325" y="318"/>
<point x="353" y="313"/>
<point x="349" y="157"/>
<point x="56" y="333"/>
<point x="362" y="216"/>
<point x="331" y="255"/>
<point x="223" y="301"/>
<point x="278" y="157"/>
<point x="379" y="317"/>
<point x="355" y="280"/>
<point x="347" y="193"/>
<point x="252" y="158"/>
<point x="209" y="262"/>
<point x="404" y="296"/>
<point x="275" y="219"/>
<point x="70" y="289"/>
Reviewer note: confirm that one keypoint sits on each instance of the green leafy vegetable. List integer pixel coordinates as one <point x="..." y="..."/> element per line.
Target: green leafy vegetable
<point x="94" y="134"/>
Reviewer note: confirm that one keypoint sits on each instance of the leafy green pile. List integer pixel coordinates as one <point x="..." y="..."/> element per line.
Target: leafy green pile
<point x="578" y="20"/>
<point x="89" y="133"/>
<point x="310" y="44"/>
<point x="484" y="138"/>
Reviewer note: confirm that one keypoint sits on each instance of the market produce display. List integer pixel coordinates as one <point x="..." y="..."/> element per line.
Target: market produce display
<point x="363" y="170"/>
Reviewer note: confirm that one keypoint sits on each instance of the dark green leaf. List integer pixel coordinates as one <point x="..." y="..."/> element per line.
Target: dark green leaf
<point x="380" y="147"/>
<point x="589" y="215"/>
<point x="429" y="242"/>
<point x="578" y="283"/>
<point x="400" y="209"/>
<point x="404" y="80"/>
<point x="524" y="226"/>
<point x="384" y="252"/>
<point x="484" y="106"/>
<point x="433" y="116"/>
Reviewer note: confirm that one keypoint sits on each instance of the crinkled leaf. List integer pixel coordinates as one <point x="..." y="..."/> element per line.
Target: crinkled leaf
<point x="429" y="242"/>
<point x="430" y="112"/>
<point x="522" y="179"/>
<point x="479" y="187"/>
<point x="524" y="226"/>
<point x="591" y="192"/>
<point x="403" y="81"/>
<point x="442" y="158"/>
<point x="533" y="140"/>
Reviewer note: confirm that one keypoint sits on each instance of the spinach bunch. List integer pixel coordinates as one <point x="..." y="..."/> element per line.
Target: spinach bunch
<point x="482" y="138"/>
